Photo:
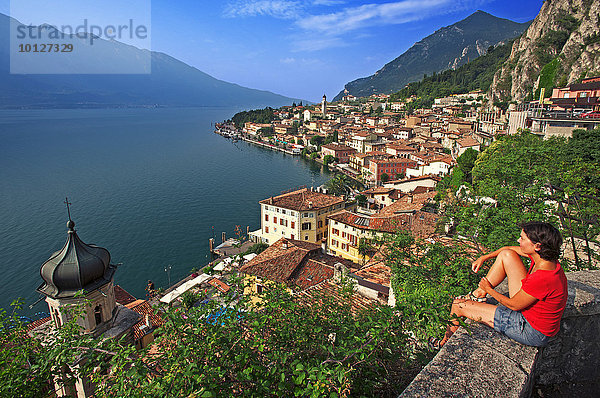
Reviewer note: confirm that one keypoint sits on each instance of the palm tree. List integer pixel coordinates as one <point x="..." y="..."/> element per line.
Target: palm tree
<point x="341" y="184"/>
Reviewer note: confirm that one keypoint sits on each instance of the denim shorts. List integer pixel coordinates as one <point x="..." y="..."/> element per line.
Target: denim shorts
<point x="514" y="325"/>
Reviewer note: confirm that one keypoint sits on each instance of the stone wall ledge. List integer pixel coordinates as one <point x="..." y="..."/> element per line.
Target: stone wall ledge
<point x="481" y="362"/>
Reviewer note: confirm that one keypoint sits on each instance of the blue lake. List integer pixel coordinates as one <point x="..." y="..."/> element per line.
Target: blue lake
<point x="150" y="185"/>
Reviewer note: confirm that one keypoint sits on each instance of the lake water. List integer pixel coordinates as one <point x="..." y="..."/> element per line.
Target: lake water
<point x="150" y="185"/>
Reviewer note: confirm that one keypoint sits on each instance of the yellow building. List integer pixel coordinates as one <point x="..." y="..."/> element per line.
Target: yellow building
<point x="347" y="230"/>
<point x="298" y="215"/>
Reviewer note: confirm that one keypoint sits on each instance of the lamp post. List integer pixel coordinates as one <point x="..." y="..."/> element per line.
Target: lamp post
<point x="168" y="271"/>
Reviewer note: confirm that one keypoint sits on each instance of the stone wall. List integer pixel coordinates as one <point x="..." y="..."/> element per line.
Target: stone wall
<point x="480" y="362"/>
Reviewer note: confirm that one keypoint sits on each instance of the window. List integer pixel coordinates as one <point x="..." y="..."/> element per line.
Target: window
<point x="281" y="221"/>
<point x="320" y="224"/>
<point x="266" y="208"/>
<point x="306" y="226"/>
<point x="306" y="237"/>
<point x="293" y="224"/>
<point x="259" y="289"/>
<point x="275" y="220"/>
<point x="293" y="237"/>
<point x="343" y="234"/>
<point x="98" y="315"/>
<point x="344" y="246"/>
<point x="266" y="230"/>
<point x="266" y="217"/>
<point x="335" y="231"/>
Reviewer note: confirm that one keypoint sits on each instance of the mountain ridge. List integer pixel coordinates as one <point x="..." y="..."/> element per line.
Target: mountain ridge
<point x="447" y="48"/>
<point x="171" y="83"/>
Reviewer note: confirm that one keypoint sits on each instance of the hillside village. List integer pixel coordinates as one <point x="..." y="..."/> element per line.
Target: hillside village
<point x="398" y="160"/>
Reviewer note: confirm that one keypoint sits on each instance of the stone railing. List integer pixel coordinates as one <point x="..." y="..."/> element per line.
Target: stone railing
<point x="483" y="363"/>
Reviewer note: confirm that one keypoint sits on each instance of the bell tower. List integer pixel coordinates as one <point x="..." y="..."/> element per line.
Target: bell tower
<point x="324" y="106"/>
<point x="79" y="277"/>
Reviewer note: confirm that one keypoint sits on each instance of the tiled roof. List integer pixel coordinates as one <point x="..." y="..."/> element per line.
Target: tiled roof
<point x="37" y="323"/>
<point x="419" y="178"/>
<point x="421" y="189"/>
<point x="334" y="147"/>
<point x="411" y="202"/>
<point x="389" y="224"/>
<point x="144" y="308"/>
<point x="302" y="200"/>
<point x="357" y="302"/>
<point x="311" y="273"/>
<point x="392" y="160"/>
<point x="122" y="296"/>
<point x="293" y="262"/>
<point x="468" y="141"/>
<point x="219" y="284"/>
<point x="378" y="190"/>
<point x="376" y="273"/>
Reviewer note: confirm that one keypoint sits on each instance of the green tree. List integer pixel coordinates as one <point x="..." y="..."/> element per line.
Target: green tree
<point x="361" y="200"/>
<point x="466" y="162"/>
<point x="317" y="140"/>
<point x="425" y="278"/>
<point x="384" y="177"/>
<point x="327" y="159"/>
<point x="341" y="184"/>
<point x="282" y="346"/>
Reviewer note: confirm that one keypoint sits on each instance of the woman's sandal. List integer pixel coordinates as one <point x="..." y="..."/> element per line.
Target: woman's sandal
<point x="434" y="343"/>
<point x="471" y="296"/>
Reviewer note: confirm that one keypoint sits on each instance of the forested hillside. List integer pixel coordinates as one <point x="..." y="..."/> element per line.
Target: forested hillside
<point x="476" y="75"/>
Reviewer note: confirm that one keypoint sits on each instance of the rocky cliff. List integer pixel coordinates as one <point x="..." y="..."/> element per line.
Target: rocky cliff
<point x="447" y="48"/>
<point x="560" y="47"/>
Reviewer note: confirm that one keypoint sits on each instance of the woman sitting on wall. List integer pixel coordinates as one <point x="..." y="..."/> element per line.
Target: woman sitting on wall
<point x="537" y="297"/>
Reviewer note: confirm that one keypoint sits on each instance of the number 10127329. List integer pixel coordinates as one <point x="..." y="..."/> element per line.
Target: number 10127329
<point x="45" y="48"/>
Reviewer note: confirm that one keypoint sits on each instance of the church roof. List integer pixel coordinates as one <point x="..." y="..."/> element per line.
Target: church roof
<point x="77" y="266"/>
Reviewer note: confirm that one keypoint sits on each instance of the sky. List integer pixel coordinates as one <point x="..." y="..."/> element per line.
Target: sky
<point x="298" y="48"/>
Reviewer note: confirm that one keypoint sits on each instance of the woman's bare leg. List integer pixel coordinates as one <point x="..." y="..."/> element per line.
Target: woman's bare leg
<point x="479" y="312"/>
<point x="508" y="264"/>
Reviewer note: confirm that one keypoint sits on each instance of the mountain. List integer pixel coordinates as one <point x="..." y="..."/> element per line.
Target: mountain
<point x="170" y="83"/>
<point x="560" y="47"/>
<point x="447" y="48"/>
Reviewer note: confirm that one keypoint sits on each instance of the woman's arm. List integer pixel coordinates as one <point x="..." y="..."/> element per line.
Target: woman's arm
<point x="518" y="302"/>
<point x="479" y="262"/>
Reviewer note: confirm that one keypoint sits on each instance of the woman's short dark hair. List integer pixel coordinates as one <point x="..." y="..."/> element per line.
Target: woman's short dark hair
<point x="547" y="236"/>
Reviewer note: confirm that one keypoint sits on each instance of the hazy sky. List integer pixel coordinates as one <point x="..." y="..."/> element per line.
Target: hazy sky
<point x="301" y="49"/>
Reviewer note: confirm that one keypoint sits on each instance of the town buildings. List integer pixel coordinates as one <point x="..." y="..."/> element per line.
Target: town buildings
<point x="297" y="215"/>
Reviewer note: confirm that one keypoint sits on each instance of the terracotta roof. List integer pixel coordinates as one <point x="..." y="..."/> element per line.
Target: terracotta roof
<point x="468" y="141"/>
<point x="388" y="224"/>
<point x="357" y="302"/>
<point x="392" y="160"/>
<point x="302" y="200"/>
<point x="219" y="284"/>
<point x="294" y="262"/>
<point x="148" y="313"/>
<point x="411" y="202"/>
<point x="421" y="189"/>
<point x="37" y="323"/>
<point x="376" y="273"/>
<point x="334" y="147"/>
<point x="122" y="296"/>
<point x="401" y="147"/>
<point x="378" y="190"/>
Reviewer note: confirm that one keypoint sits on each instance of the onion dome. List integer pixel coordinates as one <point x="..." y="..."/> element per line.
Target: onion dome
<point x="77" y="266"/>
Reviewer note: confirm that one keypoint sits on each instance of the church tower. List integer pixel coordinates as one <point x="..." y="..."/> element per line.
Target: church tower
<point x="324" y="106"/>
<point x="79" y="267"/>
